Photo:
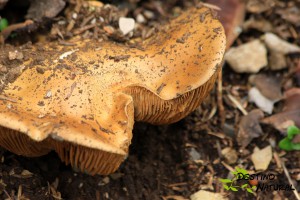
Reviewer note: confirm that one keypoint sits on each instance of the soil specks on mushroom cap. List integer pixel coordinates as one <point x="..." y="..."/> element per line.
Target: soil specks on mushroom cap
<point x="119" y="58"/>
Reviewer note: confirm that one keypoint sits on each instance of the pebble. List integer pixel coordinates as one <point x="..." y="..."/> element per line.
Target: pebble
<point x="274" y="43"/>
<point x="126" y="25"/>
<point x="194" y="154"/>
<point x="230" y="155"/>
<point x="140" y="18"/>
<point x="13" y="55"/>
<point x="149" y="14"/>
<point x="247" y="58"/>
<point x="104" y="181"/>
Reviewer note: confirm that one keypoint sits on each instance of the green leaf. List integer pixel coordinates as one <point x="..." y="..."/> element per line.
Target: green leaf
<point x="234" y="172"/>
<point x="249" y="190"/>
<point x="226" y="187"/>
<point x="245" y="185"/>
<point x="254" y="187"/>
<point x="286" y="144"/>
<point x="241" y="170"/>
<point x="292" y="131"/>
<point x="296" y="146"/>
<point x="225" y="180"/>
<point x="3" y="24"/>
<point x="233" y="189"/>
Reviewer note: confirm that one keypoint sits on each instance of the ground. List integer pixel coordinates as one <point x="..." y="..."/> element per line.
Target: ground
<point x="172" y="161"/>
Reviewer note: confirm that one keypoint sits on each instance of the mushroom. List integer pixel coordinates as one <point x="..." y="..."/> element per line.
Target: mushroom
<point x="82" y="100"/>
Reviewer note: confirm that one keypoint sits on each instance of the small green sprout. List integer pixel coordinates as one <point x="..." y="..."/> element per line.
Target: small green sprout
<point x="287" y="142"/>
<point x="3" y="23"/>
<point x="230" y="184"/>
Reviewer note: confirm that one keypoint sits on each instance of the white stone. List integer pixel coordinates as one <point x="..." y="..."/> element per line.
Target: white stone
<point x="274" y="43"/>
<point x="149" y="14"/>
<point x="247" y="58"/>
<point x="260" y="100"/>
<point x="126" y="25"/>
<point x="140" y="18"/>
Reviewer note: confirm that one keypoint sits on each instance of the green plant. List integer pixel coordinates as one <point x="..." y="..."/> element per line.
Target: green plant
<point x="228" y="184"/>
<point x="287" y="142"/>
<point x="3" y="23"/>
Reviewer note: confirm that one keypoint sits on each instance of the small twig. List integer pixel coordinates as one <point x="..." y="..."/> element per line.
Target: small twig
<point x="220" y="97"/>
<point x="7" y="31"/>
<point x="219" y="135"/>
<point x="9" y="197"/>
<point x="87" y="19"/>
<point x="85" y="28"/>
<point x="212" y="112"/>
<point x="277" y="160"/>
<point x="227" y="166"/>
<point x="289" y="179"/>
<point x="237" y="104"/>
<point x="19" y="195"/>
<point x="177" y="184"/>
<point x="219" y="149"/>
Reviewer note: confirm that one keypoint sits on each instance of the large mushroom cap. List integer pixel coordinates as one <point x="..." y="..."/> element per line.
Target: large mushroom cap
<point x="81" y="100"/>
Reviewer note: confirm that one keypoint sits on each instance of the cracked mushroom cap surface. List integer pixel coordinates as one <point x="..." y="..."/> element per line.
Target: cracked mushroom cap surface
<point x="82" y="100"/>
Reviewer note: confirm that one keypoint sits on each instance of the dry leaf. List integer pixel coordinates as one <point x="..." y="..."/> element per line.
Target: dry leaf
<point x="291" y="112"/>
<point x="205" y="195"/>
<point x="261" y="158"/>
<point x="292" y="99"/>
<point x="269" y="86"/>
<point x="249" y="127"/>
<point x="231" y="16"/>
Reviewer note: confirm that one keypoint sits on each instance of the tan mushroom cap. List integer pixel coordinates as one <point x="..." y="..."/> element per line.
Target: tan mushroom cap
<point x="82" y="100"/>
